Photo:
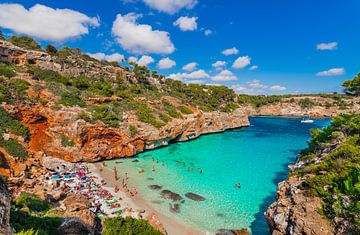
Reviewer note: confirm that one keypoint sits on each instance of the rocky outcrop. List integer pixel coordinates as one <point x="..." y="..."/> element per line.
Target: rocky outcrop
<point x="78" y="206"/>
<point x="4" y="209"/>
<point x="292" y="108"/>
<point x="294" y="211"/>
<point x="74" y="226"/>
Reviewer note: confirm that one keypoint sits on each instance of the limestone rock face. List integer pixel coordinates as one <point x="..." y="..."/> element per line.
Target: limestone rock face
<point x="4" y="209"/>
<point x="95" y="141"/>
<point x="295" y="213"/>
<point x="78" y="206"/>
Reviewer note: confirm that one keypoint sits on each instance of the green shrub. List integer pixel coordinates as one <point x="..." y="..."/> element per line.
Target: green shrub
<point x="164" y="117"/>
<point x="49" y="75"/>
<point x="8" y="122"/>
<point x="66" y="142"/>
<point x="171" y="109"/>
<point x="13" y="148"/>
<point x="105" y="114"/>
<point x="144" y="114"/>
<point x="24" y="42"/>
<point x="133" y="130"/>
<point x="306" y="103"/>
<point x="29" y="215"/>
<point x="128" y="226"/>
<point x="185" y="110"/>
<point x="71" y="99"/>
<point x="85" y="116"/>
<point x="32" y="202"/>
<point x="6" y="71"/>
<point x="51" y="49"/>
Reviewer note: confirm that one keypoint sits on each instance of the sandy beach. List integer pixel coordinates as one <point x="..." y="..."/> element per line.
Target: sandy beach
<point x="138" y="204"/>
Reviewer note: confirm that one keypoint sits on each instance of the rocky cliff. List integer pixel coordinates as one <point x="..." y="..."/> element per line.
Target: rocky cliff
<point x="321" y="193"/>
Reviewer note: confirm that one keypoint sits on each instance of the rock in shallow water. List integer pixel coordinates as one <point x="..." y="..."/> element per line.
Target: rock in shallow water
<point x="170" y="195"/>
<point x="195" y="197"/>
<point x="242" y="231"/>
<point x="155" y="187"/>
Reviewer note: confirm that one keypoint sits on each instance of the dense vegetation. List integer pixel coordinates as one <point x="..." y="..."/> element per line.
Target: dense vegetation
<point x="9" y="124"/>
<point x="33" y="216"/>
<point x="337" y="177"/>
<point x="128" y="226"/>
<point x="24" y="42"/>
<point x="207" y="98"/>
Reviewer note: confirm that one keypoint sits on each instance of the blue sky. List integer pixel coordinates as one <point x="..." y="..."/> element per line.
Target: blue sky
<point x="282" y="46"/>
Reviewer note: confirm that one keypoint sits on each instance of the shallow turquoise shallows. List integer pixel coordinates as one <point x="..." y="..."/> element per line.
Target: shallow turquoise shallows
<point x="256" y="157"/>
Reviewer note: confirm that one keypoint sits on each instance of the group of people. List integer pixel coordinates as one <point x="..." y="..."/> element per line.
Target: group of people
<point x="79" y="180"/>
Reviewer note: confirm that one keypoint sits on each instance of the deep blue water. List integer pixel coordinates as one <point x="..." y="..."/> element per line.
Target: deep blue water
<point x="256" y="157"/>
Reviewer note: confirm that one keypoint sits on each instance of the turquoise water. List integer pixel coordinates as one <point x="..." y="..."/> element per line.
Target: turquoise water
<point x="256" y="157"/>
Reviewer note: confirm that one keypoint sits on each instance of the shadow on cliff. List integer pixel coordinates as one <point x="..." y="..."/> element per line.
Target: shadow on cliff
<point x="259" y="226"/>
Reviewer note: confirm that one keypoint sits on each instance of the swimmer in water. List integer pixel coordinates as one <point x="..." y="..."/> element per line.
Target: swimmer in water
<point x="237" y="185"/>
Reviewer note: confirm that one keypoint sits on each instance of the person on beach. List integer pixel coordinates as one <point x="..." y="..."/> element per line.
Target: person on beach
<point x="153" y="169"/>
<point x="115" y="174"/>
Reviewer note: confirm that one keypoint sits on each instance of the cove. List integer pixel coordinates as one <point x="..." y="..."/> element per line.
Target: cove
<point x="256" y="157"/>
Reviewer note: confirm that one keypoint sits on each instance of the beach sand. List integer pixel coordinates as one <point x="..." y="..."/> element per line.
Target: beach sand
<point x="137" y="203"/>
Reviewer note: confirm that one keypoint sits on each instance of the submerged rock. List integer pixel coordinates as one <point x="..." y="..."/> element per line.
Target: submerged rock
<point x="150" y="178"/>
<point x="155" y="187"/>
<point x="135" y="160"/>
<point x="175" y="208"/>
<point x="170" y="195"/>
<point x="195" y="197"/>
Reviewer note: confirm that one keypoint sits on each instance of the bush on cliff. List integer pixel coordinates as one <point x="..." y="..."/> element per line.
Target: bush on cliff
<point x="24" y="42"/>
<point x="352" y="87"/>
<point x="6" y="71"/>
<point x="128" y="226"/>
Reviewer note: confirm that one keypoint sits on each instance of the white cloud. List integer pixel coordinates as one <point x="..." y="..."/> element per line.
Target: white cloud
<point x="193" y="75"/>
<point x="170" y="6"/>
<point x="332" y="72"/>
<point x="219" y="64"/>
<point x="46" y="23"/>
<point x="207" y="32"/>
<point x="241" y="62"/>
<point x="132" y="59"/>
<point x="196" y="81"/>
<point x="145" y="60"/>
<point x="240" y="89"/>
<point x="190" y="66"/>
<point x="113" y="57"/>
<point x="166" y="63"/>
<point x="140" y="38"/>
<point x="224" y="76"/>
<point x="327" y="46"/>
<point x="230" y="51"/>
<point x="277" y="88"/>
<point x="186" y="23"/>
<point x="254" y="67"/>
<point x="256" y="84"/>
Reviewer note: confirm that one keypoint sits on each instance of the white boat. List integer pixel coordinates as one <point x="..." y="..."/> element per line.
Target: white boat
<point x="307" y="120"/>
